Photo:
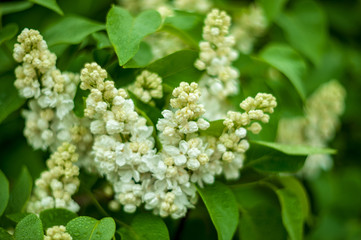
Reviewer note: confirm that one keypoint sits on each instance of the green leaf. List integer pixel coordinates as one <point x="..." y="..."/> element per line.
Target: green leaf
<point x="102" y="40"/>
<point x="292" y="214"/>
<point x="51" y="4"/>
<point x="222" y="208"/>
<point x="8" y="32"/>
<point x="9" y="97"/>
<point x="13" y="7"/>
<point x="17" y="217"/>
<point x="87" y="228"/>
<point x="80" y="101"/>
<point x="71" y="30"/>
<point x="277" y="157"/>
<point x="296" y="150"/>
<point x="293" y="185"/>
<point x="56" y="217"/>
<point x="4" y="190"/>
<point x="188" y="26"/>
<point x="152" y="112"/>
<point x="143" y="57"/>
<point x="126" y="32"/>
<point x="4" y="235"/>
<point x="288" y="62"/>
<point x="145" y="226"/>
<point x="176" y="68"/>
<point x="268" y="159"/>
<point x="20" y="193"/>
<point x="215" y="128"/>
<point x="260" y="213"/>
<point x="305" y="28"/>
<point x="272" y="8"/>
<point x="30" y="228"/>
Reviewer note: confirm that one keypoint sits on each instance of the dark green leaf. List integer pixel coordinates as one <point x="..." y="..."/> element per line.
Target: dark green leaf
<point x="277" y="157"/>
<point x="292" y="214"/>
<point x="176" y="68"/>
<point x="79" y="102"/>
<point x="17" y="217"/>
<point x="71" y="30"/>
<point x="20" y="193"/>
<point x="272" y="8"/>
<point x="56" y="217"/>
<point x="305" y="28"/>
<point x="102" y="40"/>
<point x="152" y="112"/>
<point x="14" y="6"/>
<point x="215" y="129"/>
<point x="9" y="97"/>
<point x="143" y="57"/>
<point x="186" y="25"/>
<point x="87" y="228"/>
<point x="4" y="235"/>
<point x="126" y="32"/>
<point x="145" y="226"/>
<point x="222" y="207"/>
<point x="30" y="228"/>
<point x="288" y="62"/>
<point x="51" y="4"/>
<point x="8" y="32"/>
<point x="260" y="213"/>
<point x="4" y="190"/>
<point x="297" y="150"/>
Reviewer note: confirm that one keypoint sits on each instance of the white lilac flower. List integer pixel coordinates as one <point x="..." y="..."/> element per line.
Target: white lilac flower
<point x="147" y="86"/>
<point x="216" y="57"/>
<point x="57" y="233"/>
<point x="55" y="187"/>
<point x="248" y="26"/>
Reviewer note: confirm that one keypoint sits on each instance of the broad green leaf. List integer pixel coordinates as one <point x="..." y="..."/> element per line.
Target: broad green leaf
<point x="126" y="32"/>
<point x="71" y="30"/>
<point x="30" y="228"/>
<point x="80" y="101"/>
<point x="8" y="32"/>
<point x="265" y="158"/>
<point x="176" y="68"/>
<point x="305" y="27"/>
<point x="288" y="62"/>
<point x="297" y="150"/>
<point x="186" y="25"/>
<point x="17" y="217"/>
<point x="292" y="214"/>
<point x="145" y="226"/>
<point x="13" y="7"/>
<point x="277" y="157"/>
<point x="20" y="192"/>
<point x="87" y="228"/>
<point x="215" y="128"/>
<point x="222" y="208"/>
<point x="56" y="217"/>
<point x="4" y="235"/>
<point x="102" y="40"/>
<point x="4" y="190"/>
<point x="51" y="4"/>
<point x="272" y="8"/>
<point x="142" y="58"/>
<point x="9" y="97"/>
<point x="260" y="213"/>
<point x="293" y="185"/>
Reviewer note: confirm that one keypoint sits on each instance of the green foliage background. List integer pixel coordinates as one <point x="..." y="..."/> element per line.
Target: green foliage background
<point x="308" y="41"/>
